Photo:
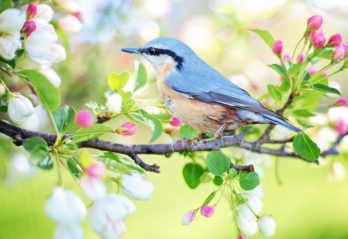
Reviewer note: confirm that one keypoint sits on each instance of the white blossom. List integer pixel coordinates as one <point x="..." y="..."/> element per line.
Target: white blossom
<point x="71" y="231"/>
<point x="136" y="186"/>
<point x="70" y="6"/>
<point x="44" y="12"/>
<point x="65" y="207"/>
<point x="254" y="203"/>
<point x="70" y="23"/>
<point x="244" y="211"/>
<point x="41" y="45"/>
<point x="114" y="102"/>
<point x="19" y="108"/>
<point x="107" y="215"/>
<point x="267" y="226"/>
<point x="93" y="188"/>
<point x="258" y="192"/>
<point x="11" y="22"/>
<point x="51" y="76"/>
<point x="248" y="227"/>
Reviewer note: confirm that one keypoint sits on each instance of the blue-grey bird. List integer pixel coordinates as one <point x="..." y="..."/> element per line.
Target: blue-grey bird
<point x="197" y="94"/>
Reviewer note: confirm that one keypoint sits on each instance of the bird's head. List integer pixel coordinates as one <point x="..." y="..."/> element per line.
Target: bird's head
<point x="163" y="51"/>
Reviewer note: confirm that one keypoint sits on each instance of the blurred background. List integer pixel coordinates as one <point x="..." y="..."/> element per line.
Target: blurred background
<point x="310" y="202"/>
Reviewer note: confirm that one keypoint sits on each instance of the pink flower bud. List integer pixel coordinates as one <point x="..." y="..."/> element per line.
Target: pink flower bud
<point x="287" y="58"/>
<point x="79" y="16"/>
<point x="341" y="126"/>
<point x="341" y="101"/>
<point x="188" y="218"/>
<point x="335" y="40"/>
<point x="31" y="10"/>
<point x="84" y="119"/>
<point x="241" y="236"/>
<point x="128" y="129"/>
<point x="29" y="27"/>
<point x="345" y="45"/>
<point x="314" y="22"/>
<point x="175" y="122"/>
<point x="339" y="53"/>
<point x="325" y="73"/>
<point x="207" y="211"/>
<point x="318" y="39"/>
<point x="300" y="58"/>
<point x="312" y="70"/>
<point x="96" y="170"/>
<point x="278" y="47"/>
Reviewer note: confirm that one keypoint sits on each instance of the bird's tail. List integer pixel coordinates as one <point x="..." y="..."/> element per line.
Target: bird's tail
<point x="277" y="119"/>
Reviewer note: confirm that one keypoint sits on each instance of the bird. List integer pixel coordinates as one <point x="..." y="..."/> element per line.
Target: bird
<point x="199" y="95"/>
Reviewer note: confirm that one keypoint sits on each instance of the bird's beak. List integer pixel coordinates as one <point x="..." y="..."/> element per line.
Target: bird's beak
<point x="132" y="50"/>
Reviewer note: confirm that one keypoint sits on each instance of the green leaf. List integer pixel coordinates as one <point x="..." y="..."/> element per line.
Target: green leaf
<point x="285" y="86"/>
<point x="280" y="70"/>
<point x="344" y="65"/>
<point x="249" y="181"/>
<point x="141" y="77"/>
<point x="209" y="198"/>
<point x="218" y="163"/>
<point x="303" y="113"/>
<point x="63" y="117"/>
<point x="143" y="117"/>
<point x="117" y="82"/>
<point x="74" y="168"/>
<point x="265" y="35"/>
<point x="48" y="94"/>
<point x="274" y="92"/>
<point x="3" y="102"/>
<point x="192" y="173"/>
<point x="218" y="180"/>
<point x="232" y="173"/>
<point x="187" y="132"/>
<point x="118" y="163"/>
<point x="39" y="155"/>
<point x="84" y="134"/>
<point x="326" y="89"/>
<point x="5" y="4"/>
<point x="305" y="147"/>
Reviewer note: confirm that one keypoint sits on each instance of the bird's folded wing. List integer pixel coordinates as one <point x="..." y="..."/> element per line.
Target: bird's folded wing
<point x="211" y="87"/>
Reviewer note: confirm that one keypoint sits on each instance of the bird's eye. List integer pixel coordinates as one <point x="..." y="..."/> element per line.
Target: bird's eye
<point x="151" y="51"/>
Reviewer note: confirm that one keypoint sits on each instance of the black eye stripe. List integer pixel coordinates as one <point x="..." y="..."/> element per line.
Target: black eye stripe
<point x="157" y="51"/>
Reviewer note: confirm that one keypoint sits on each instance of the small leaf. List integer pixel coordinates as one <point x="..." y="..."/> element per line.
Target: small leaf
<point x="41" y="158"/>
<point x="142" y="117"/>
<point x="249" y="181"/>
<point x="74" y="168"/>
<point x="117" y="82"/>
<point x="265" y="35"/>
<point x="118" y="163"/>
<point x="32" y="143"/>
<point x="84" y="134"/>
<point x="209" y="198"/>
<point x="274" y="92"/>
<point x="192" y="173"/>
<point x="48" y="94"/>
<point x="5" y="4"/>
<point x="326" y="89"/>
<point x="232" y="173"/>
<point x="187" y="132"/>
<point x="141" y="77"/>
<point x="305" y="147"/>
<point x="303" y="113"/>
<point x="218" y="163"/>
<point x="218" y="180"/>
<point x="280" y="70"/>
<point x="64" y="116"/>
<point x="285" y="86"/>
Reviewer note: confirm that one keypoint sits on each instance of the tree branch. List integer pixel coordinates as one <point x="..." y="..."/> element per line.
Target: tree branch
<point x="19" y="135"/>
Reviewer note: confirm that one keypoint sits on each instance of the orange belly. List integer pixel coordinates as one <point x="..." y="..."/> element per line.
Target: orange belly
<point x="204" y="117"/>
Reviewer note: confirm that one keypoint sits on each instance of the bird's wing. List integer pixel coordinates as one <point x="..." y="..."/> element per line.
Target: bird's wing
<point x="207" y="85"/>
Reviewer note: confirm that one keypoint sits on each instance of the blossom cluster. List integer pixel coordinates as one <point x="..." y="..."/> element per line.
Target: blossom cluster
<point x="28" y="35"/>
<point x="108" y="211"/>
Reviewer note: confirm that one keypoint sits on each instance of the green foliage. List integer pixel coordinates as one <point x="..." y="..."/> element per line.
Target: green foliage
<point x="142" y="117"/>
<point x="74" y="168"/>
<point x="265" y="35"/>
<point x="117" y="163"/>
<point x="218" y="163"/>
<point x="39" y="154"/>
<point x="280" y="70"/>
<point x="218" y="180"/>
<point x="192" y="173"/>
<point x="117" y="82"/>
<point x="63" y="117"/>
<point x="209" y="198"/>
<point x="4" y="4"/>
<point x="187" y="132"/>
<point x="274" y="93"/>
<point x="48" y="94"/>
<point x="326" y="89"/>
<point x="305" y="147"/>
<point x="3" y="102"/>
<point x="141" y="77"/>
<point x="249" y="181"/>
<point x="95" y="131"/>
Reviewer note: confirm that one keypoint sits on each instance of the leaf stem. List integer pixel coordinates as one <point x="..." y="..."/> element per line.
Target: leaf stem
<point x="53" y="122"/>
<point x="297" y="45"/>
